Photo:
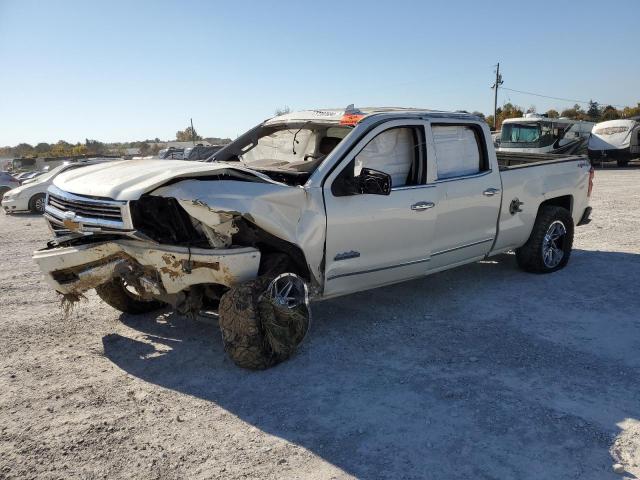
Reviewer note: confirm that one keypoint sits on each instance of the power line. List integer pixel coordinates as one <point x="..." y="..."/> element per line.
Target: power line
<point x="560" y="98"/>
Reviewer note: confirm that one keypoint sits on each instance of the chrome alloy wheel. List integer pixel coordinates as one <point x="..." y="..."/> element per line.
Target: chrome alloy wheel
<point x="39" y="204"/>
<point x="553" y="243"/>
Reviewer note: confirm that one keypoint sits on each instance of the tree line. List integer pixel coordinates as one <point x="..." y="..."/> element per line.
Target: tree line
<point x="63" y="148"/>
<point x="593" y="113"/>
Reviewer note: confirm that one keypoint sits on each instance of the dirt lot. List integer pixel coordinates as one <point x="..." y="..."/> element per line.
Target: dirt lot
<point x="480" y="372"/>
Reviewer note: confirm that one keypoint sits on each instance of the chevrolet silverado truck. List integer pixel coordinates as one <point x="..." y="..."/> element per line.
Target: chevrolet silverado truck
<point x="307" y="206"/>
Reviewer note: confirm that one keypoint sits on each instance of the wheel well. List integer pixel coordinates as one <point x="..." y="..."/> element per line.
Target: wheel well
<point x="565" y="202"/>
<point x="274" y="250"/>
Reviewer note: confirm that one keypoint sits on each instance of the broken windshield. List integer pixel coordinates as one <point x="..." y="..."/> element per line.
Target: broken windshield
<point x="289" y="149"/>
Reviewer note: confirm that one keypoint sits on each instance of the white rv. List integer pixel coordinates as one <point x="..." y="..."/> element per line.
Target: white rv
<point x="617" y="140"/>
<point x="535" y="133"/>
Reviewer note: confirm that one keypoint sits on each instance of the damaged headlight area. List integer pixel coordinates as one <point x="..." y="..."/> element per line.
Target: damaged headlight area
<point x="165" y="221"/>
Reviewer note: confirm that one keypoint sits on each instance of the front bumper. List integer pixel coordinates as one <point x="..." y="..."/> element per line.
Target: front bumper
<point x="15" y="205"/>
<point x="165" y="269"/>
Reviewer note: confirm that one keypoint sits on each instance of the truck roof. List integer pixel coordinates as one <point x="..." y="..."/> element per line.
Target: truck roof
<point x="352" y="115"/>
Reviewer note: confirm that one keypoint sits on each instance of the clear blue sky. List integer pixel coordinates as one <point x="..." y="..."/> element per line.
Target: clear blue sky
<point x="127" y="70"/>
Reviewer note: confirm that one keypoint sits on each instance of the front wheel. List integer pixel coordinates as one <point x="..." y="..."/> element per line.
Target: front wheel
<point x="263" y="321"/>
<point x="549" y="246"/>
<point x="123" y="297"/>
<point x="36" y="204"/>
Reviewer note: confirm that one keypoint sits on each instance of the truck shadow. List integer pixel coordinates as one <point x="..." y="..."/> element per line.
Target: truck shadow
<point x="482" y="371"/>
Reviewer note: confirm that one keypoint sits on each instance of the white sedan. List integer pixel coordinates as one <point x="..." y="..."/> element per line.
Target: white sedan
<point x="30" y="197"/>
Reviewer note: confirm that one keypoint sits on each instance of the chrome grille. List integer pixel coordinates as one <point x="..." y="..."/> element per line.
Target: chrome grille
<point x="68" y="213"/>
<point x="86" y="209"/>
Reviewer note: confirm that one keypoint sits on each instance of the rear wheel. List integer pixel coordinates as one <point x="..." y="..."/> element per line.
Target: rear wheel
<point x="123" y="297"/>
<point x="36" y="204"/>
<point x="549" y="246"/>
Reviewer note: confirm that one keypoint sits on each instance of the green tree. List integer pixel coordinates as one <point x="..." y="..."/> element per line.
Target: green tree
<point x="79" y="150"/>
<point x="631" y="111"/>
<point x="593" y="112"/>
<point x="42" y="148"/>
<point x="144" y="148"/>
<point x="575" y="113"/>
<point x="23" y="150"/>
<point x="553" y="113"/>
<point x="61" y="149"/>
<point x="609" y="113"/>
<point x="94" y="147"/>
<point x="187" y="135"/>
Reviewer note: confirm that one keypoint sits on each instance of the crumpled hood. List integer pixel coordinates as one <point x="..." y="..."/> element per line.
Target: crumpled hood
<point x="129" y="179"/>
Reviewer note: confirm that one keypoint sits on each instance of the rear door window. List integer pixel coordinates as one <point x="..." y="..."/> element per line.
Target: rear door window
<point x="458" y="151"/>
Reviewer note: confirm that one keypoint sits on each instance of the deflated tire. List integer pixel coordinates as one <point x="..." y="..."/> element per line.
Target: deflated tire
<point x="264" y="321"/>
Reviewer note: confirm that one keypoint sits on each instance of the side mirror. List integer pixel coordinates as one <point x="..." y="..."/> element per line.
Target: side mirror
<point x="374" y="182"/>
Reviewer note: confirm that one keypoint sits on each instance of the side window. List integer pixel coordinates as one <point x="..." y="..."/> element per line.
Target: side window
<point x="459" y="151"/>
<point x="397" y="152"/>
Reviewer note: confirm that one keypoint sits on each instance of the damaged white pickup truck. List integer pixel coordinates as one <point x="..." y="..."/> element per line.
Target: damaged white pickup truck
<point x="307" y="205"/>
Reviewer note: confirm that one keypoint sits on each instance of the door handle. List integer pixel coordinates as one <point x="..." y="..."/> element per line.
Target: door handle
<point x="422" y="206"/>
<point x="490" y="192"/>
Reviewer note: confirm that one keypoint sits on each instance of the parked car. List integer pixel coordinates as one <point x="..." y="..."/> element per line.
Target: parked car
<point x="7" y="182"/>
<point x="312" y="204"/>
<point x="171" y="153"/>
<point x="615" y="140"/>
<point x="200" y="152"/>
<point x="30" y="196"/>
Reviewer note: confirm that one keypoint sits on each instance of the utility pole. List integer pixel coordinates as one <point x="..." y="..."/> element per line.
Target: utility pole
<point x="193" y="133"/>
<point x="495" y="96"/>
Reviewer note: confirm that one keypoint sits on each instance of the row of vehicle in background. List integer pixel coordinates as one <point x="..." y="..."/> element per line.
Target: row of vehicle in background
<point x="615" y="140"/>
<point x="535" y="133"/>
<point x="30" y="195"/>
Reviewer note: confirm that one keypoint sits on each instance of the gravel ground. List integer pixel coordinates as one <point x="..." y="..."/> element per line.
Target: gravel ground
<point x="480" y="372"/>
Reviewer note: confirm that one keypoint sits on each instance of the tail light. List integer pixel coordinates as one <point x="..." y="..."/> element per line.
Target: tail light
<point x="592" y="173"/>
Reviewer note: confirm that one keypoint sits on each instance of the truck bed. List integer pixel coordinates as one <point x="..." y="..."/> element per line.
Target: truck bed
<point x="511" y="160"/>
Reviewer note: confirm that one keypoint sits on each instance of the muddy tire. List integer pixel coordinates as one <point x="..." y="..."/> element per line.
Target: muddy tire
<point x="3" y="190"/>
<point x="254" y="334"/>
<point x="36" y="203"/>
<point x="115" y="294"/>
<point x="549" y="246"/>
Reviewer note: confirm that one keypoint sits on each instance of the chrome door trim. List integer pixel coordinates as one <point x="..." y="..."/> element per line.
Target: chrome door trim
<point x="463" y="177"/>
<point x="372" y="270"/>
<point x="462" y="246"/>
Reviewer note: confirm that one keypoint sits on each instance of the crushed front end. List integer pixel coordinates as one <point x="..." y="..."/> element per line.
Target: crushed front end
<point x="151" y="244"/>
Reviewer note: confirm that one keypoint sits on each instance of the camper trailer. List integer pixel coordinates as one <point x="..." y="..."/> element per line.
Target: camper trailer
<point x="536" y="133"/>
<point x="615" y="140"/>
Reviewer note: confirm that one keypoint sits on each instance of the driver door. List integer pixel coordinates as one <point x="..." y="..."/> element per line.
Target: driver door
<point x="378" y="239"/>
